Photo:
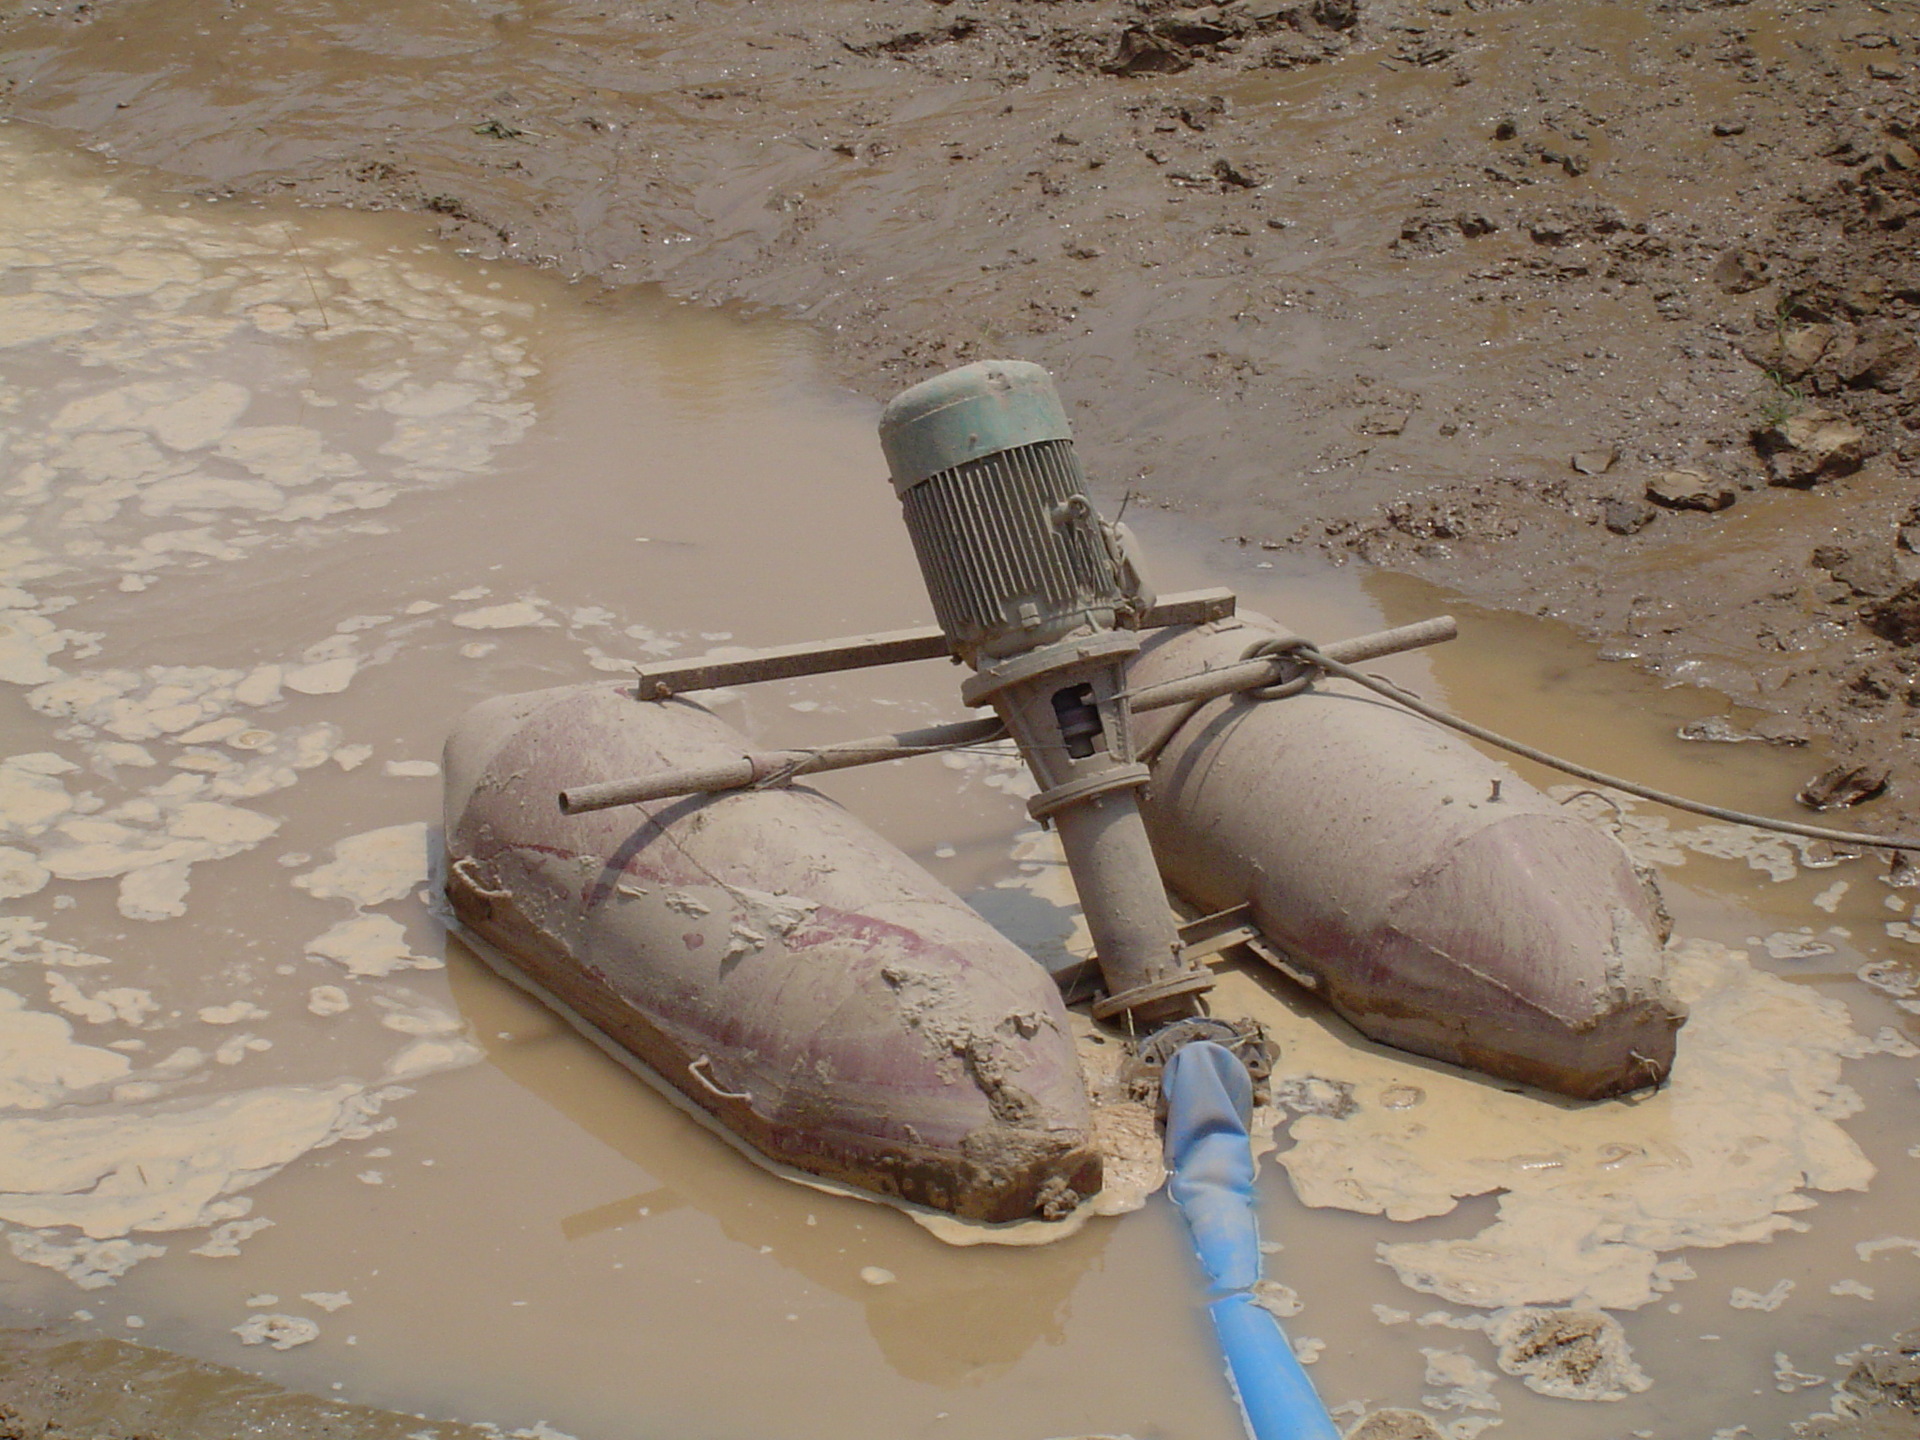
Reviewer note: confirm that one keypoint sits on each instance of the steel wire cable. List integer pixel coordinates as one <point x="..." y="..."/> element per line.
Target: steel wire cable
<point x="1387" y="690"/>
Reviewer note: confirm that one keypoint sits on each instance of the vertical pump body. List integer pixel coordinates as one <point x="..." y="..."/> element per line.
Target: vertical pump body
<point x="1039" y="596"/>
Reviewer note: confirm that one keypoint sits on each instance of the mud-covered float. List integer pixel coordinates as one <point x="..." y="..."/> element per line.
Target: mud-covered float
<point x="781" y="966"/>
<point x="791" y="975"/>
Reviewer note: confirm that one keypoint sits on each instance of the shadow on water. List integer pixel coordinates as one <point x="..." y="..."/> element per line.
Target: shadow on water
<point x="943" y="1317"/>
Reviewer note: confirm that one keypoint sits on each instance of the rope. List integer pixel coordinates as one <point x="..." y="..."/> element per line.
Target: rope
<point x="1389" y="691"/>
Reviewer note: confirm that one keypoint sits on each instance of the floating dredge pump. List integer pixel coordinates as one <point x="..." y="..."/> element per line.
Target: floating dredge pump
<point x="1040" y="595"/>
<point x="833" y="1007"/>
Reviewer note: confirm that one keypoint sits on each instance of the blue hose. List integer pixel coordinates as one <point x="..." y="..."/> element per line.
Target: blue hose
<point x="1209" y="1106"/>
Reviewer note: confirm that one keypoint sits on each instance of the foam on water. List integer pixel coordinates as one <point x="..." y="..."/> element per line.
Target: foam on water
<point x="170" y="387"/>
<point x="1591" y="1196"/>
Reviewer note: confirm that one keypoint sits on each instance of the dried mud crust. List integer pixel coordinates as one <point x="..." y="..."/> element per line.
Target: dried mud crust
<point x="58" y="1386"/>
<point x="1600" y="312"/>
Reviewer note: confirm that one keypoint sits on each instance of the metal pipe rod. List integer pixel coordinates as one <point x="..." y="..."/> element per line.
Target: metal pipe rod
<point x="664" y="678"/>
<point x="779" y="765"/>
<point x="1270" y="670"/>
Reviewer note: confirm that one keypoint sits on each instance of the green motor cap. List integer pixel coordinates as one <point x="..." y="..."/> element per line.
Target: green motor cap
<point x="977" y="410"/>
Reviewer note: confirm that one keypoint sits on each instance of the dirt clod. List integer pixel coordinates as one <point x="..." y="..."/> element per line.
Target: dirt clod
<point x="1690" y="490"/>
<point x="1396" y="1425"/>
<point x="1879" y="1399"/>
<point x="1895" y="619"/>
<point x="1627" y="517"/>
<point x="1843" y="785"/>
<point x="1867" y="571"/>
<point x="1568" y="1354"/>
<point x="1812" y="446"/>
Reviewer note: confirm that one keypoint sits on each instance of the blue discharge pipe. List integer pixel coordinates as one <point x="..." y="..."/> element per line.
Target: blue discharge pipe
<point x="1209" y="1107"/>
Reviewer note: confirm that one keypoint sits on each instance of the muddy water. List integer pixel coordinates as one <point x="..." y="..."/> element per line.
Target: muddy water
<point x="289" y="491"/>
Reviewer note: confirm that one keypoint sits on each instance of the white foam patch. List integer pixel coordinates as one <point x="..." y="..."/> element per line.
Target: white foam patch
<point x="230" y="1014"/>
<point x="374" y="867"/>
<point x="145" y="384"/>
<point x="259" y="686"/>
<point x="325" y="677"/>
<point x="164" y="1168"/>
<point x="283" y="1332"/>
<point x="41" y="1064"/>
<point x="370" y="945"/>
<point x="36" y="319"/>
<point x="200" y="492"/>
<point x="1767" y="1300"/>
<point x="1590" y="1196"/>
<point x="89" y="1264"/>
<point x="141" y="389"/>
<point x="430" y="1057"/>
<point x="287" y="456"/>
<point x="1786" y="1379"/>
<point x="418" y="1019"/>
<point x="30" y="799"/>
<point x="516" y="616"/>
<point x="1653" y="840"/>
<point x="235" y="1049"/>
<point x="327" y="1001"/>
<point x="152" y="842"/>
<point x="1462" y="1385"/>
<point x="155" y="892"/>
<point x="1798" y="944"/>
<point x="223" y="1242"/>
<point x="122" y="1004"/>
<point x="109" y="754"/>
<point x="140" y="705"/>
<point x="181" y="414"/>
<point x="24" y="939"/>
<point x="21" y="874"/>
<point x="26" y="643"/>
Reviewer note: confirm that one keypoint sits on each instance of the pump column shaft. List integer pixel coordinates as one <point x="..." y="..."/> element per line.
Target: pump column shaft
<point x="1065" y="706"/>
<point x="1105" y="840"/>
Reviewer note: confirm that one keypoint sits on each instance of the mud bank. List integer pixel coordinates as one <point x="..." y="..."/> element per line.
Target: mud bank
<point x="63" y="1383"/>
<point x="1600" y="312"/>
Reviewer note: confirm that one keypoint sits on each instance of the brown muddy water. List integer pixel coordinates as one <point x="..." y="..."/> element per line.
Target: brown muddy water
<point x="287" y="491"/>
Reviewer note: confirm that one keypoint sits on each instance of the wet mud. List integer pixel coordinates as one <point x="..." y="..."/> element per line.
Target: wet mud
<point x="61" y="1382"/>
<point x="1602" y="313"/>
<point x="293" y="489"/>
